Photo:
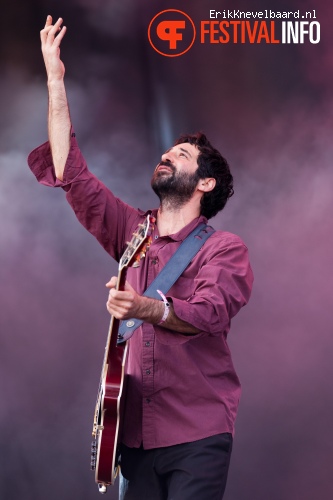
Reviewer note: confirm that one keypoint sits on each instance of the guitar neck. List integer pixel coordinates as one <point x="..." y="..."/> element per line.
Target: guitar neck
<point x="114" y="323"/>
<point x="121" y="280"/>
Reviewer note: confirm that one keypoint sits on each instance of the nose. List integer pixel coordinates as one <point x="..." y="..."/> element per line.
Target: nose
<point x="165" y="157"/>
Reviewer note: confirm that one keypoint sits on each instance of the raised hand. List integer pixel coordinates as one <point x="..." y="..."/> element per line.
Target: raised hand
<point x="51" y="36"/>
<point x="59" y="124"/>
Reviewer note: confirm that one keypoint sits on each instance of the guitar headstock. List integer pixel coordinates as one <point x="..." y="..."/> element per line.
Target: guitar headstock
<point x="140" y="242"/>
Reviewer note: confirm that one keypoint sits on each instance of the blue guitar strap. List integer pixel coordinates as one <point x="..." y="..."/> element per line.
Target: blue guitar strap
<point x="169" y="274"/>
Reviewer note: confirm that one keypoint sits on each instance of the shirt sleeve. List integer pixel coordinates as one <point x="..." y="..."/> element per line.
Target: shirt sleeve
<point x="221" y="287"/>
<point x="105" y="216"/>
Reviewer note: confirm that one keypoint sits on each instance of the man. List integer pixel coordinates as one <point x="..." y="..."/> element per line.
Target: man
<point x="183" y="391"/>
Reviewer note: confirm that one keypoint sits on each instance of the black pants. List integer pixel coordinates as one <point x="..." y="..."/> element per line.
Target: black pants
<point x="189" y="471"/>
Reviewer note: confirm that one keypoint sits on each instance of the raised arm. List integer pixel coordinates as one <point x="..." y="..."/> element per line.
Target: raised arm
<point x="59" y="124"/>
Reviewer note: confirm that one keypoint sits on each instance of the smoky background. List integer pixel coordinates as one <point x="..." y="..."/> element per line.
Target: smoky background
<point x="268" y="109"/>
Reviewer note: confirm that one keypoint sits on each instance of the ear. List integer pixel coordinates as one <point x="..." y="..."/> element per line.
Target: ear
<point x="207" y="184"/>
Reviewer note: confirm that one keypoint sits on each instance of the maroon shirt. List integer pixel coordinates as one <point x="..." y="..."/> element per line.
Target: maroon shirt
<point x="181" y="388"/>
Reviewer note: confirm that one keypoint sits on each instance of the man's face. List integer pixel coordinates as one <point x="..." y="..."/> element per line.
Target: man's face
<point x="175" y="177"/>
<point x="179" y="158"/>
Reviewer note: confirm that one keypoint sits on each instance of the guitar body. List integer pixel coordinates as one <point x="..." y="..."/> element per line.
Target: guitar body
<point x="109" y="415"/>
<point x="112" y="389"/>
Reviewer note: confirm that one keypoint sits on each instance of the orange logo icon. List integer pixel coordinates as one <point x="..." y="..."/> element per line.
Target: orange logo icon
<point x="171" y="33"/>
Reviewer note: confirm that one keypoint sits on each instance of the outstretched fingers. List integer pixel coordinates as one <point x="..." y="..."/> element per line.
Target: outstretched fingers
<point x="52" y="34"/>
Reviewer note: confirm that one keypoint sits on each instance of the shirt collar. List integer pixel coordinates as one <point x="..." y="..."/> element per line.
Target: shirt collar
<point x="184" y="232"/>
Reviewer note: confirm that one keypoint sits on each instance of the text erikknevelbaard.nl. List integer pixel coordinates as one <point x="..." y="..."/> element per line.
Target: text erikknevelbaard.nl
<point x="236" y="26"/>
<point x="261" y="14"/>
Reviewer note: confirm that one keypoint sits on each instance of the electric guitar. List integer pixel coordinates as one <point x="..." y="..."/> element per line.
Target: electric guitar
<point x="110" y="397"/>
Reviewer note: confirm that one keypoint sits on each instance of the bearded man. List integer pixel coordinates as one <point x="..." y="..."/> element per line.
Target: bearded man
<point x="183" y="391"/>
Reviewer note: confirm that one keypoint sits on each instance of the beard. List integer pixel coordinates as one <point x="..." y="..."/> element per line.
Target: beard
<point x="174" y="188"/>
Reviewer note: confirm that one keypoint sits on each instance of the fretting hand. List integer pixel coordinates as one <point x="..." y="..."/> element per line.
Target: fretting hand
<point x="122" y="304"/>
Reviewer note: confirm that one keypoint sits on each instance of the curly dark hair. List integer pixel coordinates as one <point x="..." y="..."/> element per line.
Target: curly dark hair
<point x="211" y="164"/>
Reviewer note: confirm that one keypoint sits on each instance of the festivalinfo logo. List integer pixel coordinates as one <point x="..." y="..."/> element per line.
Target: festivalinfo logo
<point x="172" y="32"/>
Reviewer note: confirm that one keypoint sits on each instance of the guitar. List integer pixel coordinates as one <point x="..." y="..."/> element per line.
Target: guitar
<point x="110" y="397"/>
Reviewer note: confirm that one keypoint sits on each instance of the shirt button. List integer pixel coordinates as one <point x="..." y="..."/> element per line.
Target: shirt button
<point x="148" y="372"/>
<point x="156" y="236"/>
<point x="154" y="261"/>
<point x="147" y="344"/>
<point x="148" y="400"/>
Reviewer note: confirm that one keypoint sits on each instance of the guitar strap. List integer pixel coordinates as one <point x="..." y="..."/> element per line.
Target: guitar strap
<point x="169" y="274"/>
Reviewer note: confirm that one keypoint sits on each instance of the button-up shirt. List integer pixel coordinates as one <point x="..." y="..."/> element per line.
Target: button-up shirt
<point x="180" y="388"/>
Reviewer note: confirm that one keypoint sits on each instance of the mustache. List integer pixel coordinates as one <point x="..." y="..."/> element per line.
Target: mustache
<point x="167" y="164"/>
